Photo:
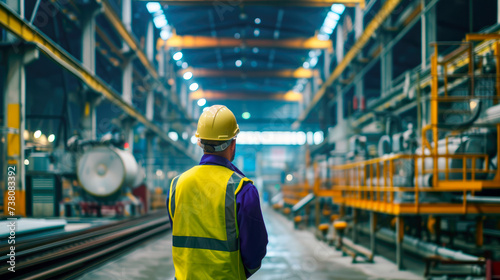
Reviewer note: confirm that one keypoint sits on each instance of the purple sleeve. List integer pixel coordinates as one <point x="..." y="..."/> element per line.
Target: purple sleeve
<point x="253" y="233"/>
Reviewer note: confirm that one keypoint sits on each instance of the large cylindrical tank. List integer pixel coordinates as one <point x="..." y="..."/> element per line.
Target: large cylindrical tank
<point x="103" y="171"/>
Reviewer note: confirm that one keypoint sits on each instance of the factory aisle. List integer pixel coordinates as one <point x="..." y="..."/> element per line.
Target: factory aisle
<point x="292" y="255"/>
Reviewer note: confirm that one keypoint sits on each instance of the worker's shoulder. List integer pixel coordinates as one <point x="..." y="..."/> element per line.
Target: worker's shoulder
<point x="248" y="187"/>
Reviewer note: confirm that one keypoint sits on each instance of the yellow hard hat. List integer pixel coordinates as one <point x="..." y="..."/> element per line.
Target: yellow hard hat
<point x="217" y="123"/>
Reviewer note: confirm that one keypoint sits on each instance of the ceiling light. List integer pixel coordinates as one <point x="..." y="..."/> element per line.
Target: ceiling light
<point x="473" y="104"/>
<point x="173" y="135"/>
<point x="246" y="115"/>
<point x="256" y="32"/>
<point x="237" y="35"/>
<point x="37" y="134"/>
<point x="187" y="75"/>
<point x="26" y="162"/>
<point x="193" y="86"/>
<point x="165" y="34"/>
<point x="289" y="177"/>
<point x="338" y="8"/>
<point x="184" y="65"/>
<point x="194" y="140"/>
<point x="238" y="63"/>
<point x="153" y="7"/>
<point x="327" y="30"/>
<point x="160" y="21"/>
<point x="323" y="37"/>
<point x="177" y="56"/>
<point x="159" y="173"/>
<point x="255" y="50"/>
<point x="333" y="16"/>
<point x="306" y="65"/>
<point x="318" y="137"/>
<point x="179" y="63"/>
<point x="51" y="138"/>
<point x="312" y="53"/>
<point x="202" y="102"/>
<point x="313" y="62"/>
<point x="330" y="23"/>
<point x="257" y="21"/>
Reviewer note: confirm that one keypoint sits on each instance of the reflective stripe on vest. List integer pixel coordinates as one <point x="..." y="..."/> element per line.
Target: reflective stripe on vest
<point x="232" y="242"/>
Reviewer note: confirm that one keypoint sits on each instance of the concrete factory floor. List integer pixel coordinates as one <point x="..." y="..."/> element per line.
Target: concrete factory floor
<point x="291" y="254"/>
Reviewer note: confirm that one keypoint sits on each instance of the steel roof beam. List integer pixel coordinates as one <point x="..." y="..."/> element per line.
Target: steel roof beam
<point x="233" y="3"/>
<point x="300" y="73"/>
<point x="198" y="42"/>
<point x="227" y="95"/>
<point x="11" y="22"/>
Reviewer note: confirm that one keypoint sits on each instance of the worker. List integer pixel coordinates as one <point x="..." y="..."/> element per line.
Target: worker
<point x="217" y="227"/>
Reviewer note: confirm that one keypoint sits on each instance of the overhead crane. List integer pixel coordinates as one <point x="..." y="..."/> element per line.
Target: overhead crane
<point x="234" y="3"/>
<point x="300" y="73"/>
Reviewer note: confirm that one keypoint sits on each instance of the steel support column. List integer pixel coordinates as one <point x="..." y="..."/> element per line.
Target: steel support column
<point x="127" y="78"/>
<point x="327" y="56"/>
<point x="183" y="94"/>
<point x="386" y="72"/>
<point x="150" y="42"/>
<point x="127" y="14"/>
<point x="399" y="241"/>
<point x="358" y="31"/>
<point x="88" y="120"/>
<point x="88" y="40"/>
<point x="358" y="21"/>
<point x="429" y="32"/>
<point x="479" y="231"/>
<point x="14" y="122"/>
<point x="339" y="52"/>
<point x="355" y="217"/>
<point x="161" y="64"/>
<point x="373" y="228"/>
<point x="128" y="132"/>
<point x="307" y="94"/>
<point x="150" y="105"/>
<point x="498" y="11"/>
<point x="150" y="160"/>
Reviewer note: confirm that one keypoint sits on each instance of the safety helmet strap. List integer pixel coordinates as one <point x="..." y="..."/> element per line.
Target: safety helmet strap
<point x="218" y="148"/>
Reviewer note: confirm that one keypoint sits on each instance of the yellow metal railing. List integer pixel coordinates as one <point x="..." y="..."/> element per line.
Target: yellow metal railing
<point x="372" y="184"/>
<point x="292" y="194"/>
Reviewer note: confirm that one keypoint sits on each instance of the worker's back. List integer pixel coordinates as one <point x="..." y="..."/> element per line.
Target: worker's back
<point x="202" y="206"/>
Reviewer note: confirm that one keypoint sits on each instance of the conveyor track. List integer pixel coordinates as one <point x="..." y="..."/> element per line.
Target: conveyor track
<point x="68" y="255"/>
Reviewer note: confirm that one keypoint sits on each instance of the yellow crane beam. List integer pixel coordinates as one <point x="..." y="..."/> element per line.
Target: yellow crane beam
<point x="198" y="42"/>
<point x="300" y="73"/>
<point x="370" y="29"/>
<point x="223" y="95"/>
<point x="224" y="5"/>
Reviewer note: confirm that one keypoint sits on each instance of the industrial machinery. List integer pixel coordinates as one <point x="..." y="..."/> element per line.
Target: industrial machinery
<point x="104" y="171"/>
<point x="438" y="182"/>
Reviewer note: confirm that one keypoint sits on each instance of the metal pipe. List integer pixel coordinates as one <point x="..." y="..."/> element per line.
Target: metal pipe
<point x="479" y="199"/>
<point x="420" y="247"/>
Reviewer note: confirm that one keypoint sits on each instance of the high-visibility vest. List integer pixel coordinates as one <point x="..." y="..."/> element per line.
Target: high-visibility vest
<point x="205" y="236"/>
